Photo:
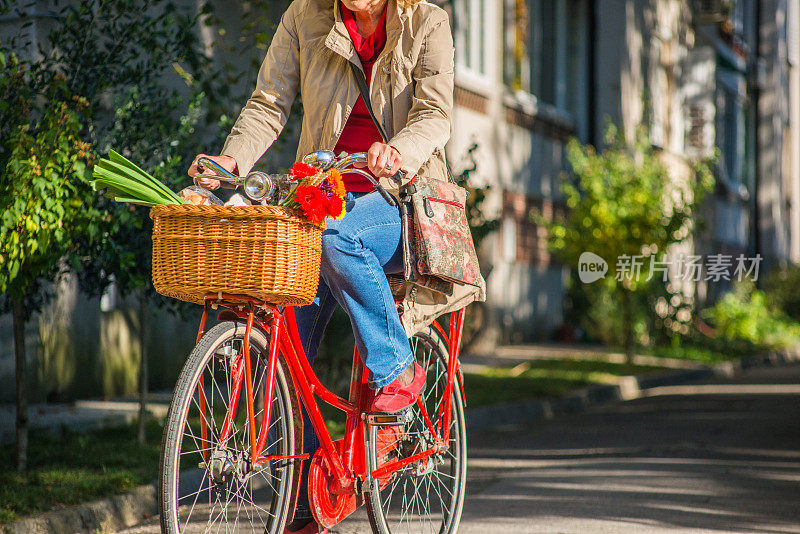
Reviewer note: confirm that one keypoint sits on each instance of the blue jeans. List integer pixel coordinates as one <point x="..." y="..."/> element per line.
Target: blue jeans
<point x="357" y="253"/>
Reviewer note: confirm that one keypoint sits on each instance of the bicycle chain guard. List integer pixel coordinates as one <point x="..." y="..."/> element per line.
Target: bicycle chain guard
<point x="328" y="508"/>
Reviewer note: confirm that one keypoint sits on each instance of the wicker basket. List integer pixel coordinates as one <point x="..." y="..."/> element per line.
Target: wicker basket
<point x="265" y="252"/>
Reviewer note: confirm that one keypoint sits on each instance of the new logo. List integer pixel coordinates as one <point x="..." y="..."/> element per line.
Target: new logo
<point x="591" y="267"/>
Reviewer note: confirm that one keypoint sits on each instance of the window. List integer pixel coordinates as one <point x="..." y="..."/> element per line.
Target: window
<point x="546" y="51"/>
<point x="731" y="127"/>
<point x="473" y="19"/>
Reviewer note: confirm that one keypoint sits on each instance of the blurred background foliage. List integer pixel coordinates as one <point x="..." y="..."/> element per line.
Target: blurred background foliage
<point x="622" y="202"/>
<point x="133" y="75"/>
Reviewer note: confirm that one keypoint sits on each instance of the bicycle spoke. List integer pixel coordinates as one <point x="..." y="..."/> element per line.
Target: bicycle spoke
<point x="237" y="500"/>
<point x="196" y="496"/>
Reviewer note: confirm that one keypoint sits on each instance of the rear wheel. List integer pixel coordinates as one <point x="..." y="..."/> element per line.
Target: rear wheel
<point x="209" y="484"/>
<point x="427" y="495"/>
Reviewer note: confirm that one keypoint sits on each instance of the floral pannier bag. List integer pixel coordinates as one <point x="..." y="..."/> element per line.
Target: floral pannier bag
<point x="442" y="243"/>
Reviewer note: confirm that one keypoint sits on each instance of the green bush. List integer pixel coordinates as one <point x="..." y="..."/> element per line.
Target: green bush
<point x="782" y="288"/>
<point x="744" y="314"/>
<point x="623" y="201"/>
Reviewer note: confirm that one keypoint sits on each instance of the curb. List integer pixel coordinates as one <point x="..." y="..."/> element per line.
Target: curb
<point x="628" y="388"/>
<point x="104" y="515"/>
<point x="129" y="509"/>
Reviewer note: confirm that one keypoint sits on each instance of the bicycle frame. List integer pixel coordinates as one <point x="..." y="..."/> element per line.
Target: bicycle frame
<point x="350" y="469"/>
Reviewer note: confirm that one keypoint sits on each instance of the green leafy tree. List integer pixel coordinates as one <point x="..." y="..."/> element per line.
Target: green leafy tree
<point x="134" y="54"/>
<point x="169" y="103"/>
<point x="143" y="55"/>
<point x="623" y="203"/>
<point x="44" y="204"/>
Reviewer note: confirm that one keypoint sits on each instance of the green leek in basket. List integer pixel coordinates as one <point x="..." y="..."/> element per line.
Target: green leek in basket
<point x="124" y="181"/>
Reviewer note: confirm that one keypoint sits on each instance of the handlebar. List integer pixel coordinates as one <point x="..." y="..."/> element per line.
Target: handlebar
<point x="220" y="173"/>
<point x="322" y="159"/>
<point x="325" y="159"/>
<point x="347" y="161"/>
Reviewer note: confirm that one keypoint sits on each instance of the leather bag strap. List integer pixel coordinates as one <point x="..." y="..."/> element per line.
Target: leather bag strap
<point x="361" y="82"/>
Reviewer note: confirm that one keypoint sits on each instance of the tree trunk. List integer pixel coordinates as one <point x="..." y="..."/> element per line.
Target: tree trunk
<point x="141" y="437"/>
<point x="21" y="450"/>
<point x="627" y="326"/>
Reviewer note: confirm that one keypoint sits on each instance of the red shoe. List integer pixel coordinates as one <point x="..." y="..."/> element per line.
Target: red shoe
<point x="394" y="396"/>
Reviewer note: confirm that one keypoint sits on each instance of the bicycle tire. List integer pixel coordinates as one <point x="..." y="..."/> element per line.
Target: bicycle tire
<point x="180" y="469"/>
<point x="417" y="510"/>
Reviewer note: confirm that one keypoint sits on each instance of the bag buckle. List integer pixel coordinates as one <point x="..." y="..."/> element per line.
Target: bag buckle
<point x="406" y="191"/>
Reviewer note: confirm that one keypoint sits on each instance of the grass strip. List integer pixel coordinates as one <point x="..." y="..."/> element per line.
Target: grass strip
<point x="76" y="467"/>
<point x="545" y="379"/>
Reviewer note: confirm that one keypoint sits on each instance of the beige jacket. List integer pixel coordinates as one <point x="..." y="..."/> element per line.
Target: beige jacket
<point x="411" y="92"/>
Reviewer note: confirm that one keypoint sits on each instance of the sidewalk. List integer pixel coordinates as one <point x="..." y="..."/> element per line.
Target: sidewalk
<point x="82" y="415"/>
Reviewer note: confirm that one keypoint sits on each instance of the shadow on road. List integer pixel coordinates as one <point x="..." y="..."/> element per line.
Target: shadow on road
<point x="689" y="458"/>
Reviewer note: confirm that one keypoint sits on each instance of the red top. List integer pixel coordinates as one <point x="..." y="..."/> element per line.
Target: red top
<point x="359" y="131"/>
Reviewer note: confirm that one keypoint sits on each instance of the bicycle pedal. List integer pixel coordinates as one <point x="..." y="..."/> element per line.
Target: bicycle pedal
<point x="389" y="419"/>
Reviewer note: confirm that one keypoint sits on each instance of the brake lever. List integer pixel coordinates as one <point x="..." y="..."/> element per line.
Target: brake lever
<point x="378" y="187"/>
<point x="361" y="157"/>
<point x="220" y="172"/>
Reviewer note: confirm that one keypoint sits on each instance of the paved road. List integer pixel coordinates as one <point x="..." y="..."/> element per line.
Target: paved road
<point x="723" y="456"/>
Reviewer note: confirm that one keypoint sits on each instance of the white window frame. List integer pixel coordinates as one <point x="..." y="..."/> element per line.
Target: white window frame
<point x="561" y="105"/>
<point x="792" y="30"/>
<point x="480" y="19"/>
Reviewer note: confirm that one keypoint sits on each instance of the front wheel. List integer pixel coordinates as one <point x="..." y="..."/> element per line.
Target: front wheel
<point x="207" y="481"/>
<point x="427" y="495"/>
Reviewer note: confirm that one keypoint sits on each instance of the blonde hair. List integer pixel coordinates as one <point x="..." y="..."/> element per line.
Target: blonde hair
<point x="407" y="3"/>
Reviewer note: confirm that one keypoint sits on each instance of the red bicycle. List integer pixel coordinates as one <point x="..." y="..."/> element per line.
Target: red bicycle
<point x="233" y="440"/>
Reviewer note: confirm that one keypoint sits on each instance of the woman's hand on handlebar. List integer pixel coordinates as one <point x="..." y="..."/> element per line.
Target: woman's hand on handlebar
<point x="226" y="162"/>
<point x="383" y="160"/>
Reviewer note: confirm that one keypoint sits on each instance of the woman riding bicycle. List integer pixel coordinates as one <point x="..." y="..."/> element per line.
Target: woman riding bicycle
<point x="405" y="50"/>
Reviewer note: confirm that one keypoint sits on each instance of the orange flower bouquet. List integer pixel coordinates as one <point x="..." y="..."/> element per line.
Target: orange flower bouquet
<point x="316" y="193"/>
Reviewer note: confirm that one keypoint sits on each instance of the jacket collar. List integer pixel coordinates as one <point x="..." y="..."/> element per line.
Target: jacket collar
<point x="339" y="41"/>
